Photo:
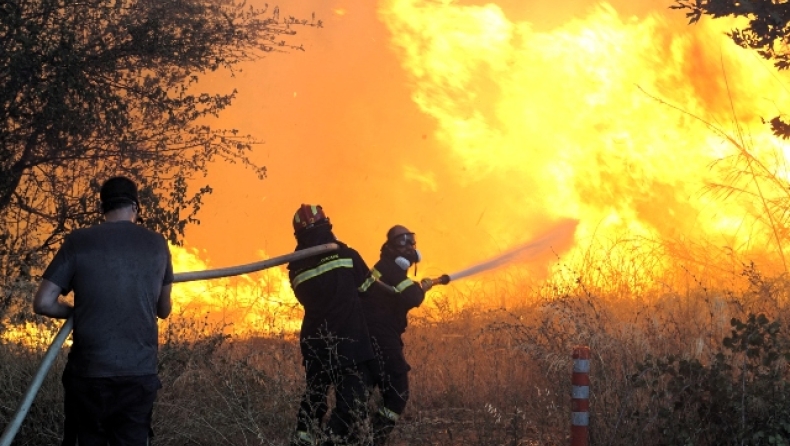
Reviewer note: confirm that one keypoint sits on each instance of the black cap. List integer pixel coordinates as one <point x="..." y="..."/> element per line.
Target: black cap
<point x="118" y="192"/>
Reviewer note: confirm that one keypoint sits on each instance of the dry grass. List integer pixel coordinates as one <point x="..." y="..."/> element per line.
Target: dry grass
<point x="482" y="374"/>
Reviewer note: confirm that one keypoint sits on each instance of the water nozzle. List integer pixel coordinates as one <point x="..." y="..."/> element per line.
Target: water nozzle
<point x="444" y="279"/>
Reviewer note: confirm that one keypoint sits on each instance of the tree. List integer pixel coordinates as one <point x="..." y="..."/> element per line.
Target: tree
<point x="92" y="88"/>
<point x="767" y="32"/>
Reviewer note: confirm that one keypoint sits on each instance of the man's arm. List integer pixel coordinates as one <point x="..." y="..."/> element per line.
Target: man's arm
<point x="46" y="301"/>
<point x="413" y="295"/>
<point x="164" y="305"/>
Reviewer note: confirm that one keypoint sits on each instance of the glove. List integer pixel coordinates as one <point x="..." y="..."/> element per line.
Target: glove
<point x="426" y="284"/>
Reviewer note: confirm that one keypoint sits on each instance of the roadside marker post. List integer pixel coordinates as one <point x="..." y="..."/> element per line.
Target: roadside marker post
<point x="580" y="401"/>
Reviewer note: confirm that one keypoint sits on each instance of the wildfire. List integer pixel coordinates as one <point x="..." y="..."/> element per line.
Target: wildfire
<point x="256" y="304"/>
<point x="481" y="126"/>
<point x="574" y="121"/>
<point x="252" y="304"/>
<point x="647" y="130"/>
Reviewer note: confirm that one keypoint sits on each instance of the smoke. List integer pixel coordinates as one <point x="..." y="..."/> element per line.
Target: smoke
<point x="556" y="239"/>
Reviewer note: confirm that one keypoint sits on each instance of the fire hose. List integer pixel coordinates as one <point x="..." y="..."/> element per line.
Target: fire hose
<point x="559" y="234"/>
<point x="49" y="358"/>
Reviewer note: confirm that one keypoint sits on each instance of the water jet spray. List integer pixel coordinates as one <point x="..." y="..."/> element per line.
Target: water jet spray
<point x="555" y="238"/>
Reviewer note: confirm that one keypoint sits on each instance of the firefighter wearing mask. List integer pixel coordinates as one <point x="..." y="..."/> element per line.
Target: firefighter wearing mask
<point x="334" y="340"/>
<point x="387" y="297"/>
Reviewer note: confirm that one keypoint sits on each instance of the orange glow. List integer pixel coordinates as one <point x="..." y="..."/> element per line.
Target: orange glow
<point x="30" y="335"/>
<point x="477" y="125"/>
<point x="248" y="305"/>
<point x="261" y="303"/>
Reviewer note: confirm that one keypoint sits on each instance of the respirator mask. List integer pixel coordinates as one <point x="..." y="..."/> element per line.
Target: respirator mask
<point x="405" y="250"/>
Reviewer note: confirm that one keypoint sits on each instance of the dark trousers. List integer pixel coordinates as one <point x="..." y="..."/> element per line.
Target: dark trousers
<point x="390" y="373"/>
<point x="113" y="411"/>
<point x="350" y="386"/>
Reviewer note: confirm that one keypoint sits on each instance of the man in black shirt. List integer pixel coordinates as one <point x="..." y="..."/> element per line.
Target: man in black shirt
<point x="334" y="338"/>
<point x="121" y="275"/>
<point x="386" y="307"/>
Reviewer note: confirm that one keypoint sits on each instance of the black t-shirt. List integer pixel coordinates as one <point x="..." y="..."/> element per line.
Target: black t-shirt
<point x="386" y="311"/>
<point x="327" y="287"/>
<point x="116" y="270"/>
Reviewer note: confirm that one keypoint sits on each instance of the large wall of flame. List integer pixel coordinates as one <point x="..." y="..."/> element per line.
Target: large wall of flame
<point x="478" y="124"/>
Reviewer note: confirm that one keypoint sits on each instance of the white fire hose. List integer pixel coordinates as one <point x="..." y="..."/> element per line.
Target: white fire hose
<point x="10" y="431"/>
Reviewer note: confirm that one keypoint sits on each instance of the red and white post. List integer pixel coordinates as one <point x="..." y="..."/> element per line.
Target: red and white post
<point x="580" y="401"/>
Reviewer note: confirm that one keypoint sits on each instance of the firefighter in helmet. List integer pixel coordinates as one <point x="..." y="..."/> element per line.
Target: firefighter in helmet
<point x="334" y="340"/>
<point x="387" y="297"/>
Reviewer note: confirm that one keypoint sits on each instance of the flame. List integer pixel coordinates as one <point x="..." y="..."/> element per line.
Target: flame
<point x="260" y="303"/>
<point x="479" y="126"/>
<point x="248" y="305"/>
<point x="570" y="115"/>
<point x="29" y="335"/>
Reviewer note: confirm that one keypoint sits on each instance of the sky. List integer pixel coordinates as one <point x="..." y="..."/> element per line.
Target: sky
<point x="480" y="125"/>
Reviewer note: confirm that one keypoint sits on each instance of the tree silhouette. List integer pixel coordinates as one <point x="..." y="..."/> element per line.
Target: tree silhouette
<point x="94" y="88"/>
<point x="767" y="32"/>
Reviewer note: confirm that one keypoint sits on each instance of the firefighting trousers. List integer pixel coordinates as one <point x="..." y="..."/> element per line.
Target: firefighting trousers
<point x="390" y="373"/>
<point x="350" y="387"/>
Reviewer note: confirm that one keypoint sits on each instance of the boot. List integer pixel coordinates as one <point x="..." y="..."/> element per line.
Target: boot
<point x="382" y="427"/>
<point x="330" y="438"/>
<point x="302" y="438"/>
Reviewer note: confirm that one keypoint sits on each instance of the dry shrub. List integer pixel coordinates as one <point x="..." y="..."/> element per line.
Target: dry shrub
<point x="482" y="373"/>
<point x="224" y="392"/>
<point x="18" y="365"/>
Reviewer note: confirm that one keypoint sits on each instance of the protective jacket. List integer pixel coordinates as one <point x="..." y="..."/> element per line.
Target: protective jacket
<point x="327" y="287"/>
<point x="386" y="307"/>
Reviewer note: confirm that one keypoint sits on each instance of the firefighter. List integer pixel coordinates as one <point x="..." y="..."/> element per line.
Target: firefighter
<point x="334" y="339"/>
<point x="387" y="297"/>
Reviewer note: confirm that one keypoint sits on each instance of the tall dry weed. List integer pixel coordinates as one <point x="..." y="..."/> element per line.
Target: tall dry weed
<point x="487" y="369"/>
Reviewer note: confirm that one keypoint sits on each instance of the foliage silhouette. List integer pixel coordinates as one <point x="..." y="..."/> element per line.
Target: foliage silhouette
<point x="93" y="88"/>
